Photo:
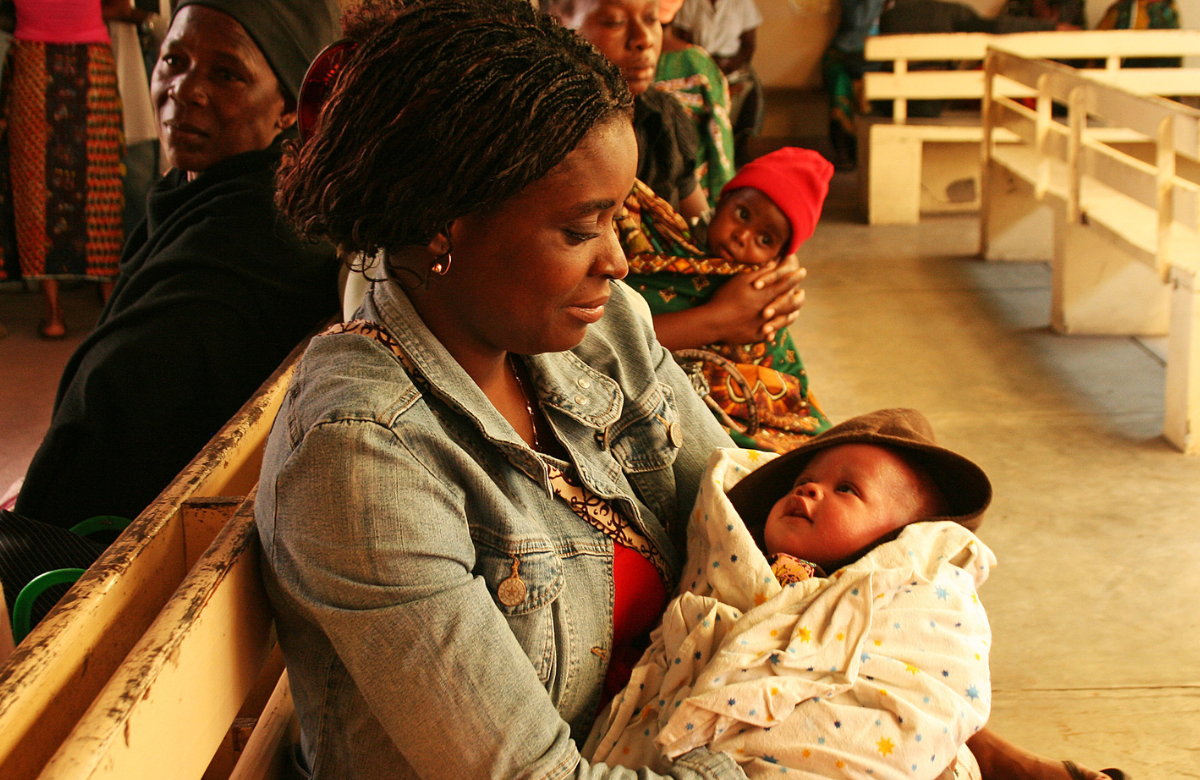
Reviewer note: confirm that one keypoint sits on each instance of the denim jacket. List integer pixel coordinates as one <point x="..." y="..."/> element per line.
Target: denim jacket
<point x="391" y="511"/>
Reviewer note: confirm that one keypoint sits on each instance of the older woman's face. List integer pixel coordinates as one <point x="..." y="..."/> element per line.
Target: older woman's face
<point x="214" y="94"/>
<point x="626" y="31"/>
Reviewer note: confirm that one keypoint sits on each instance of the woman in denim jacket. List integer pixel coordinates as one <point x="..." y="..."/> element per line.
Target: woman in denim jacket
<point x="473" y="497"/>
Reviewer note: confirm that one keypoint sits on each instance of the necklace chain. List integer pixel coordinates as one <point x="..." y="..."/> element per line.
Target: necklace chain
<point x="512" y="362"/>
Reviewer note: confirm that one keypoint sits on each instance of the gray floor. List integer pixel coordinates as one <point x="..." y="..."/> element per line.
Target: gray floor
<point x="1096" y="522"/>
<point x="1094" y="606"/>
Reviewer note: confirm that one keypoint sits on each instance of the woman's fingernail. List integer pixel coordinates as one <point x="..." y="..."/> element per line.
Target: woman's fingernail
<point x="769" y="313"/>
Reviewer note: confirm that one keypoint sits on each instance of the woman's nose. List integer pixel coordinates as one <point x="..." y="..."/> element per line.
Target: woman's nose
<point x="185" y="88"/>
<point x="611" y="261"/>
<point x="639" y="34"/>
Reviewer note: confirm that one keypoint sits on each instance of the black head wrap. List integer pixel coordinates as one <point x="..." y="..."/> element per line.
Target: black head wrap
<point x="290" y="33"/>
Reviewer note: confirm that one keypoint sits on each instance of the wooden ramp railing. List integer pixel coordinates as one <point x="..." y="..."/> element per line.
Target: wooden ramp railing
<point x="925" y="67"/>
<point x="1125" y="218"/>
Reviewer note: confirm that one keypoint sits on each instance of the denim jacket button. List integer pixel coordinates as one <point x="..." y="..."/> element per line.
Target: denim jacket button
<point x="675" y="434"/>
<point x="583" y="382"/>
<point x="513" y="590"/>
<point x="582" y="400"/>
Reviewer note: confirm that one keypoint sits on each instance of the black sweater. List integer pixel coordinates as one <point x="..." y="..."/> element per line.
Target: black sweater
<point x="214" y="291"/>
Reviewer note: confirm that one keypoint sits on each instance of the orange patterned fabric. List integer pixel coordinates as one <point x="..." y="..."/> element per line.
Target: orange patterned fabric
<point x="61" y="155"/>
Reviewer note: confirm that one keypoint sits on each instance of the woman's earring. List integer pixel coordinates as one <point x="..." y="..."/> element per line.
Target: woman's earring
<point x="441" y="265"/>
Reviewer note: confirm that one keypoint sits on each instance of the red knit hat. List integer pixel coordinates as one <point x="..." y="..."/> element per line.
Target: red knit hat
<point x="796" y="180"/>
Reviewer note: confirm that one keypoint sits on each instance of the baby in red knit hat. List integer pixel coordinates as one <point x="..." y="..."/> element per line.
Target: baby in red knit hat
<point x="768" y="209"/>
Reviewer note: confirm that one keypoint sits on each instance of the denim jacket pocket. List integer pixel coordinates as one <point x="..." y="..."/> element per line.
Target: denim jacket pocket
<point x="523" y="575"/>
<point x="649" y="436"/>
<point x="525" y="578"/>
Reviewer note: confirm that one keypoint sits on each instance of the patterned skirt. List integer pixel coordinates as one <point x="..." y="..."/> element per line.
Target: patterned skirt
<point x="60" y="162"/>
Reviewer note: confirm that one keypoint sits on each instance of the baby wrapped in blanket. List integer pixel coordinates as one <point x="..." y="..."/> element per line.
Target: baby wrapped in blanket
<point x="877" y="671"/>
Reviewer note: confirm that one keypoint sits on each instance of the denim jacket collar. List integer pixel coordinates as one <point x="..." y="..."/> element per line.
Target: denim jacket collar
<point x="561" y="380"/>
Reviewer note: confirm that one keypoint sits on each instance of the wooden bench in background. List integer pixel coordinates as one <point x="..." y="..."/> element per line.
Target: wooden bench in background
<point x="147" y="593"/>
<point x="1124" y="218"/>
<point x="914" y="165"/>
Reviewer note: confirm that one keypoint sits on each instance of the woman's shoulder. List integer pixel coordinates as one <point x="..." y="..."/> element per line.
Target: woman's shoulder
<point x="346" y="377"/>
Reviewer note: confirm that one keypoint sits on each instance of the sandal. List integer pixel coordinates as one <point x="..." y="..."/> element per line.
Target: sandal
<point x="1076" y="774"/>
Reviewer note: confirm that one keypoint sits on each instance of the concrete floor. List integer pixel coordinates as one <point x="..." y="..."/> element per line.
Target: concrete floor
<point x="30" y="368"/>
<point x="1094" y="606"/>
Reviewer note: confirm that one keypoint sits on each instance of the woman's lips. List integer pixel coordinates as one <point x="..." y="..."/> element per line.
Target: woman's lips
<point x="182" y="130"/>
<point x="590" y="312"/>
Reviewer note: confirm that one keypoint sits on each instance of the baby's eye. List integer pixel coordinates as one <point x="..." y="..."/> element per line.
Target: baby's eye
<point x="743" y="213"/>
<point x="766" y="239"/>
<point x="846" y="487"/>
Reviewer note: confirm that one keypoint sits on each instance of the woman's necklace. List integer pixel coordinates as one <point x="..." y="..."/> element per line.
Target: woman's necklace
<point x="512" y="363"/>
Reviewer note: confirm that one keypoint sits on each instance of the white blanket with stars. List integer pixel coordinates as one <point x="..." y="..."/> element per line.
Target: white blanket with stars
<point x="879" y="671"/>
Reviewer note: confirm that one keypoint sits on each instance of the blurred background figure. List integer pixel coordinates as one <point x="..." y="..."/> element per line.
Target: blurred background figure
<point x="728" y="30"/>
<point x="60" y="152"/>
<point x="125" y="19"/>
<point x="691" y="74"/>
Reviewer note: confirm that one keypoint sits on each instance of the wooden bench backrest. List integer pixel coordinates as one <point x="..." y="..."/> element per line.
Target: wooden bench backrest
<point x="1173" y="129"/>
<point x="166" y="709"/>
<point x="1111" y="46"/>
<point x="55" y="673"/>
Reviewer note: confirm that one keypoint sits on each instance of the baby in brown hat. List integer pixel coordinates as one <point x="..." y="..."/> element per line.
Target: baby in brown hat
<point x="879" y="669"/>
<point x="857" y="485"/>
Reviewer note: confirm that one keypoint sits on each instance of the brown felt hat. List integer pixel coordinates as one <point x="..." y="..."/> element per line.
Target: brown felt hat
<point x="964" y="485"/>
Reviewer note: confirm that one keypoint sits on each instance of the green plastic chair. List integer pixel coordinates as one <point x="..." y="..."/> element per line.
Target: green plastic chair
<point x="22" y="612"/>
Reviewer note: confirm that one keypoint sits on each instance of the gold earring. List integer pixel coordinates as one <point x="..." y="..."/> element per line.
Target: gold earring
<point x="440" y="268"/>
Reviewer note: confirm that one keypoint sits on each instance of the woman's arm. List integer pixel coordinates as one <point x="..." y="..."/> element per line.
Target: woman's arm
<point x="748" y="308"/>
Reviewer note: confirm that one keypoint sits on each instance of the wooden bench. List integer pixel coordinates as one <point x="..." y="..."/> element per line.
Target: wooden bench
<point x="907" y="162"/>
<point x="185" y="703"/>
<point x="1125" y="227"/>
<point x="55" y="674"/>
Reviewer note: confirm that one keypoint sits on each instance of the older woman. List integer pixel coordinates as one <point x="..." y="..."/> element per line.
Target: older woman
<point x="214" y="289"/>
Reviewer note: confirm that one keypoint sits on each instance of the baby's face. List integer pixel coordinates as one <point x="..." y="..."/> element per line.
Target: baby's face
<point x="747" y="227"/>
<point x="847" y="497"/>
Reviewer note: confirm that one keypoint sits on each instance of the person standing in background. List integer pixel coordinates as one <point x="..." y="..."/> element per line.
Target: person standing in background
<point x="690" y="74"/>
<point x="60" y="152"/>
<point x="728" y="30"/>
<point x="141" y="137"/>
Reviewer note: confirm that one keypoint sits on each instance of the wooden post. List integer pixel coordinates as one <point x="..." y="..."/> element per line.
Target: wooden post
<point x="1077" y="116"/>
<point x="1042" y="135"/>
<point x="900" y="105"/>
<point x="1165" y="184"/>
<point x="985" y="150"/>
<point x="1183" y="363"/>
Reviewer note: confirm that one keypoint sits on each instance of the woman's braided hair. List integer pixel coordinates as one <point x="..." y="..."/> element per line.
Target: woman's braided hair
<point x="447" y="107"/>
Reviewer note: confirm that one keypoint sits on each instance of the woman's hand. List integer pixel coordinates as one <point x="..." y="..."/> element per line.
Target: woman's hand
<point x="782" y="311"/>
<point x="748" y="308"/>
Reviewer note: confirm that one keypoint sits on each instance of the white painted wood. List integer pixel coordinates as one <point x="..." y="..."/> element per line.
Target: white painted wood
<point x="1059" y="45"/>
<point x="1099" y="289"/>
<point x="895" y="179"/>
<point x="1019" y="225"/>
<point x="1181" y="422"/>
